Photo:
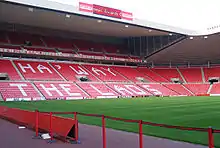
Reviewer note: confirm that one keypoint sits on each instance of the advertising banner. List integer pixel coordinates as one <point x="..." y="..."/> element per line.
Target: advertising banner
<point x="85" y="7"/>
<point x="105" y="11"/>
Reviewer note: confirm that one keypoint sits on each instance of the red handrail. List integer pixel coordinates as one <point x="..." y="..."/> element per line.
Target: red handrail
<point x="209" y="130"/>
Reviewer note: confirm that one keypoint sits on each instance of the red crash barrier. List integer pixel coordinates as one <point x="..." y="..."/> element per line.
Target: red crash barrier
<point x="67" y="127"/>
<point x="63" y="127"/>
<point x="140" y="123"/>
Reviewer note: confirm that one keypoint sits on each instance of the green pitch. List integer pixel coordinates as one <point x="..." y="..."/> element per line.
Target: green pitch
<point x="183" y="111"/>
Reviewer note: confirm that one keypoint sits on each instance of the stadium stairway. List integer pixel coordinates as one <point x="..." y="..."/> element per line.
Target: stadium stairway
<point x="203" y="75"/>
<point x="181" y="75"/>
<point x="198" y="88"/>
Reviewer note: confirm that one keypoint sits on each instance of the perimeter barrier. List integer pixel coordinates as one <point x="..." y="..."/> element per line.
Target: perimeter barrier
<point x="65" y="128"/>
<point x="210" y="131"/>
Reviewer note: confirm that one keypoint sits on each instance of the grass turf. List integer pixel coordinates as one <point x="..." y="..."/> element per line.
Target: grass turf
<point x="183" y="111"/>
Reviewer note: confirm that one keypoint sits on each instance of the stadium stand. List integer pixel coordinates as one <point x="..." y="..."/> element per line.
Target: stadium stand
<point x="4" y="46"/>
<point x="167" y="73"/>
<point x="33" y="70"/>
<point x="151" y="74"/>
<point x="18" y="91"/>
<point x="60" y="90"/>
<point x="6" y="67"/>
<point x="159" y="90"/>
<point x="213" y="72"/>
<point x="3" y="38"/>
<point x="40" y="49"/>
<point x="132" y="74"/>
<point x="53" y="42"/>
<point x="180" y="89"/>
<point x="215" y="90"/>
<point x="105" y="73"/>
<point x="192" y="75"/>
<point x="129" y="90"/>
<point x="24" y="38"/>
<point x="84" y="45"/>
<point x="119" y="80"/>
<point x="198" y="89"/>
<point x="73" y="72"/>
<point x="98" y="90"/>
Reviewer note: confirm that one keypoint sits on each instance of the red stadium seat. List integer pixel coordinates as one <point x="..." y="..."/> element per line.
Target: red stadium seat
<point x="154" y="76"/>
<point x="21" y="38"/>
<point x="192" y="74"/>
<point x="168" y="73"/>
<point x="60" y="90"/>
<point x="7" y="67"/>
<point x="159" y="89"/>
<point x="72" y="72"/>
<point x="132" y="73"/>
<point x="215" y="90"/>
<point x="129" y="90"/>
<point x="211" y="72"/>
<point x="96" y="90"/>
<point x="53" y="42"/>
<point x="179" y="89"/>
<point x="17" y="91"/>
<point x="3" y="38"/>
<point x="198" y="89"/>
<point x="33" y="70"/>
<point x="105" y="73"/>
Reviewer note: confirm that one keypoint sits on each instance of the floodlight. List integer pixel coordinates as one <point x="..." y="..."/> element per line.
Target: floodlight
<point x="30" y="9"/>
<point x="67" y="15"/>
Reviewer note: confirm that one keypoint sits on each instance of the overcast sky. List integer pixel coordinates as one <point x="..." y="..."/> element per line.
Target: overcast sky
<point x="188" y="14"/>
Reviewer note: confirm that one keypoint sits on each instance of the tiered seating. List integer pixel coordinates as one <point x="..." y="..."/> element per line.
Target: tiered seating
<point x="111" y="48"/>
<point x="71" y="71"/>
<point x="21" y="38"/>
<point x="104" y="73"/>
<point x="69" y="51"/>
<point x="84" y="45"/>
<point x="10" y="47"/>
<point x="117" y="56"/>
<point x="60" y="90"/>
<point x="211" y="72"/>
<point x="33" y="70"/>
<point x="131" y="73"/>
<point x="98" y="90"/>
<point x="191" y="74"/>
<point x="91" y="53"/>
<point x="198" y="89"/>
<point x="158" y="89"/>
<point x="7" y="67"/>
<point x="167" y="73"/>
<point x="215" y="89"/>
<point x="3" y="38"/>
<point x="58" y="43"/>
<point x="152" y="75"/>
<point x="39" y="49"/>
<point x="17" y="91"/>
<point x="179" y="89"/>
<point x="129" y="90"/>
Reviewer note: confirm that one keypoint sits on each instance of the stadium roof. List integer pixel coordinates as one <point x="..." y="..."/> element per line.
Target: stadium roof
<point x="39" y="17"/>
<point x="196" y="50"/>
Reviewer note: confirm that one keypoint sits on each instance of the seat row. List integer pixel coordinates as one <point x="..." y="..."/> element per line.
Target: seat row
<point x="14" y="90"/>
<point x="60" y="71"/>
